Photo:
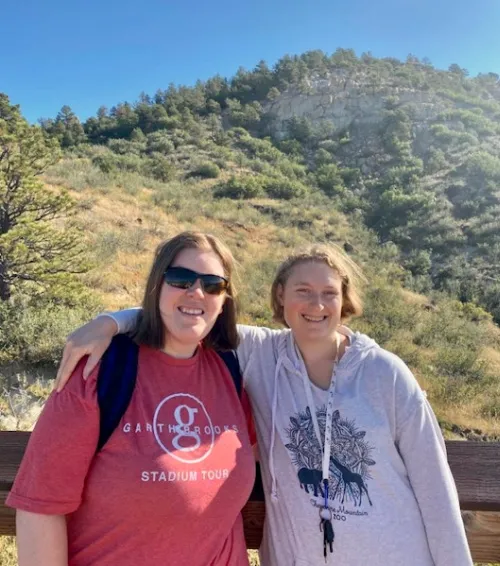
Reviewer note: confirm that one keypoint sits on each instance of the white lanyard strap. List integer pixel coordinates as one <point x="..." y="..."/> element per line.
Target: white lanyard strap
<point x="326" y="448"/>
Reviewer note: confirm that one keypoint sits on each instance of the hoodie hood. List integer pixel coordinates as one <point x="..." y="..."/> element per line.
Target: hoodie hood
<point x="360" y="345"/>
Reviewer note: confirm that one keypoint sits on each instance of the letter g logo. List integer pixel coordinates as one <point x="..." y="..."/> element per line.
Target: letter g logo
<point x="183" y="428"/>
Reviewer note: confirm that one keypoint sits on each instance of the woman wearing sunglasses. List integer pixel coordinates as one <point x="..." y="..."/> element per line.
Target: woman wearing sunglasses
<point x="353" y="462"/>
<point x="169" y="484"/>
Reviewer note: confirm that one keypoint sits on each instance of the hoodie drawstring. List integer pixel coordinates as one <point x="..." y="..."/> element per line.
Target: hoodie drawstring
<point x="285" y="362"/>
<point x="274" y="487"/>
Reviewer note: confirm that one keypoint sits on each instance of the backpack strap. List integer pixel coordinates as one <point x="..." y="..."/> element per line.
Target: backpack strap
<point x="230" y="358"/>
<point x="115" y="384"/>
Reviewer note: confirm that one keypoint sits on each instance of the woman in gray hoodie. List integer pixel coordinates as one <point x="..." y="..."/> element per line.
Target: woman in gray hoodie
<point x="353" y="462"/>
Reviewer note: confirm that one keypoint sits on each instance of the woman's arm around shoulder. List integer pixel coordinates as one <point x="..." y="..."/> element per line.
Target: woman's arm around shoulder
<point x="254" y="340"/>
<point x="92" y="340"/>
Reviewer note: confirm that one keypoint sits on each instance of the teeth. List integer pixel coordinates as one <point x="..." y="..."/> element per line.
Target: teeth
<point x="185" y="310"/>
<point x="314" y="318"/>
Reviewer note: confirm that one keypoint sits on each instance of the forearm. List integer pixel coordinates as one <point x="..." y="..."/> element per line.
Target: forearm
<point x="42" y="540"/>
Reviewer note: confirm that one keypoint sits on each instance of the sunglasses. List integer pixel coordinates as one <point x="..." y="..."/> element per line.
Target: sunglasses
<point x="183" y="278"/>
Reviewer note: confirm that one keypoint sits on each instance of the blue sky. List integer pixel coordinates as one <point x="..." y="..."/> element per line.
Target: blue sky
<point x="101" y="52"/>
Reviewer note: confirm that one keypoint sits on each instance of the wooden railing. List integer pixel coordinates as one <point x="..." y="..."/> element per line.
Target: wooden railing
<point x="475" y="467"/>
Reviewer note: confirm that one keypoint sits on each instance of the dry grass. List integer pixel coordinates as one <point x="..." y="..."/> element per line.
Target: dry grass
<point x="8" y="554"/>
<point x="253" y="555"/>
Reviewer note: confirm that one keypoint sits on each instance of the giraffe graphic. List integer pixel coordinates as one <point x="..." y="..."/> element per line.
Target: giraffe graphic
<point x="350" y="461"/>
<point x="347" y="479"/>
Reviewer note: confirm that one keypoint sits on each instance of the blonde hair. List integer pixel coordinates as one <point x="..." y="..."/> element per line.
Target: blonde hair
<point x="150" y="329"/>
<point x="349" y="272"/>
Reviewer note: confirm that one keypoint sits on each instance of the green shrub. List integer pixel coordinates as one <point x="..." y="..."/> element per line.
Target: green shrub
<point x="450" y="326"/>
<point x="129" y="163"/>
<point x="77" y="174"/>
<point x="351" y="176"/>
<point x="281" y="188"/>
<point x="159" y="142"/>
<point x="386" y="314"/>
<point x="292" y="147"/>
<point x="36" y="335"/>
<point x="240" y="188"/>
<point x="322" y="157"/>
<point x="291" y="170"/>
<point x="460" y="362"/>
<point x="158" y="167"/>
<point x="206" y="170"/>
<point x="125" y="147"/>
<point x="330" y="180"/>
<point x="447" y="136"/>
<point x="490" y="408"/>
<point x="436" y="161"/>
<point x="106" y="163"/>
<point x="329" y="145"/>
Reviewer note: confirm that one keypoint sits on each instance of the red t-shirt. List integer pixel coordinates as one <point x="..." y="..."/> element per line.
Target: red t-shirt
<point x="168" y="486"/>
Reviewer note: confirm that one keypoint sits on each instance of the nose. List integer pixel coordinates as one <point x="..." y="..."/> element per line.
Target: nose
<point x="196" y="289"/>
<point x="316" y="301"/>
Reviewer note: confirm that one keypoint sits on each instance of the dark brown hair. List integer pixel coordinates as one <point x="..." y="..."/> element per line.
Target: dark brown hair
<point x="349" y="272"/>
<point x="150" y="329"/>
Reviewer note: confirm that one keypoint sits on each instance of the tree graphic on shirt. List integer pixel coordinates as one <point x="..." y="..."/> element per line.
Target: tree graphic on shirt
<point x="350" y="460"/>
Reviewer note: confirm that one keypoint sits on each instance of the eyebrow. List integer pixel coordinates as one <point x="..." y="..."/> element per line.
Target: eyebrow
<point x="305" y="284"/>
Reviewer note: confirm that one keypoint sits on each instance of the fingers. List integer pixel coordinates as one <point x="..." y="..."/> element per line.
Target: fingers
<point x="95" y="356"/>
<point x="60" y="369"/>
<point x="70" y="359"/>
<point x="93" y="338"/>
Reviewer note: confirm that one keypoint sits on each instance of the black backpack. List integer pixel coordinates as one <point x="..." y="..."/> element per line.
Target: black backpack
<point x="117" y="377"/>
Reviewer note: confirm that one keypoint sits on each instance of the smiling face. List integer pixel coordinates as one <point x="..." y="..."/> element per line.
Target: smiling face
<point x="312" y="301"/>
<point x="189" y="314"/>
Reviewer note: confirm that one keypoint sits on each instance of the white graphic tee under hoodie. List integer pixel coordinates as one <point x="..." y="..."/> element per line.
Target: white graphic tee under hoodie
<point x="391" y="493"/>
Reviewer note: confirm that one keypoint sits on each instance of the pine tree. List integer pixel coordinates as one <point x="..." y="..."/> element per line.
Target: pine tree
<point x="38" y="253"/>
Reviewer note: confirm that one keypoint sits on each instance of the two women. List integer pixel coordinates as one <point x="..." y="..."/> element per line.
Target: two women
<point x="169" y="484"/>
<point x="353" y="462"/>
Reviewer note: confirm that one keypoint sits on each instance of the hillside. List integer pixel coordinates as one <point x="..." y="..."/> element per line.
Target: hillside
<point x="407" y="150"/>
<point x="397" y="162"/>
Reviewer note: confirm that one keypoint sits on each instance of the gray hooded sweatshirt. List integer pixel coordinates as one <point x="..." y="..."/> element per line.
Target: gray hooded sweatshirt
<point x="392" y="496"/>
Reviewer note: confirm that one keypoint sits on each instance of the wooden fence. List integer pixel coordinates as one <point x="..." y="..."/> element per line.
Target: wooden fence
<point x="475" y="467"/>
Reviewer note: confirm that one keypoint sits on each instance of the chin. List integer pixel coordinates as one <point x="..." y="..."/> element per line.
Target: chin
<point x="314" y="332"/>
<point x="192" y="335"/>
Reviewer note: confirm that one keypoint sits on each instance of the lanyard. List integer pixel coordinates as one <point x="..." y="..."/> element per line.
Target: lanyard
<point x="326" y="448"/>
<point x="325" y="513"/>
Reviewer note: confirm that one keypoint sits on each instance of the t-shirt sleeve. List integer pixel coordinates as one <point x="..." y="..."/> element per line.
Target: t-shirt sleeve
<point x="60" y="450"/>
<point x="254" y="340"/>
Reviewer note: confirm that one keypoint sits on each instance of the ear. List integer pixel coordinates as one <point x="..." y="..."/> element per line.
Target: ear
<point x="280" y="291"/>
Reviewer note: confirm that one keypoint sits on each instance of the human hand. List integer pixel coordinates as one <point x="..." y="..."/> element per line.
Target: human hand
<point x="92" y="339"/>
